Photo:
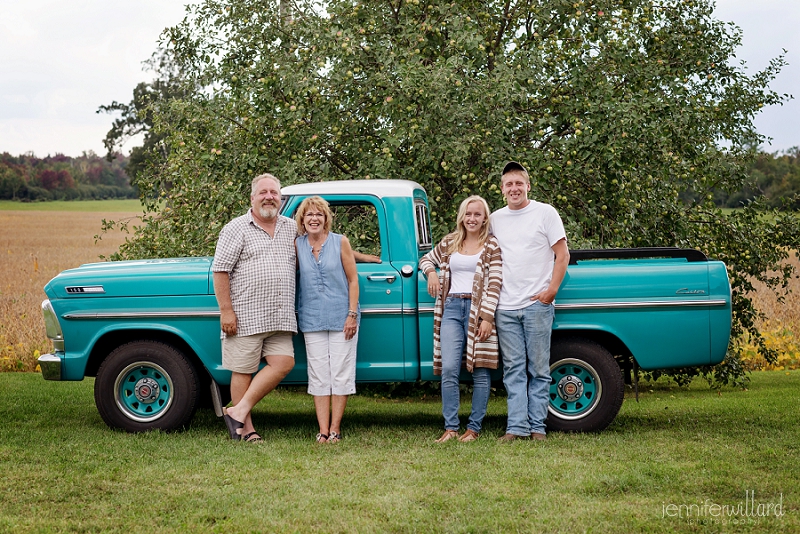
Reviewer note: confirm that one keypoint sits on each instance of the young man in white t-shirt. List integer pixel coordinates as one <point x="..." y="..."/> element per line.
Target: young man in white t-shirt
<point x="535" y="259"/>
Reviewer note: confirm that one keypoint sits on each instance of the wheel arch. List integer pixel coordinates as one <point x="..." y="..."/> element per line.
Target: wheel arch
<point x="116" y="338"/>
<point x="613" y="344"/>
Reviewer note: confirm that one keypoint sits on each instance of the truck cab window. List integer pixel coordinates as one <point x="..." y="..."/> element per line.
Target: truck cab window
<point x="359" y="222"/>
<point x="423" y="226"/>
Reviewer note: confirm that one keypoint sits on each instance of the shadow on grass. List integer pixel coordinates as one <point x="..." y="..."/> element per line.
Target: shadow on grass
<point x="412" y="420"/>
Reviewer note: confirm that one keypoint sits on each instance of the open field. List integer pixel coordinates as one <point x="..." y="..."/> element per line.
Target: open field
<point x="107" y="206"/>
<point x="787" y="312"/>
<point x="781" y="327"/>
<point x="662" y="466"/>
<point x="34" y="247"/>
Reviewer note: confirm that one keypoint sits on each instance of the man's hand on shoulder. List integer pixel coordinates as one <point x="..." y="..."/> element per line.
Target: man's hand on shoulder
<point x="365" y="258"/>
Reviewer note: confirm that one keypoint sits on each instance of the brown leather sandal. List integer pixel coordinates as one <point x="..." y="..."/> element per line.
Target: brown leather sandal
<point x="447" y="436"/>
<point x="469" y="435"/>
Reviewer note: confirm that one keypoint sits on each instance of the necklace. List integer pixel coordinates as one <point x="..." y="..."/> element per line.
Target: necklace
<point x="470" y="249"/>
<point x="316" y="247"/>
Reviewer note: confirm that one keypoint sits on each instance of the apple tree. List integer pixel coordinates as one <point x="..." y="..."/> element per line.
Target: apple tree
<point x="629" y="115"/>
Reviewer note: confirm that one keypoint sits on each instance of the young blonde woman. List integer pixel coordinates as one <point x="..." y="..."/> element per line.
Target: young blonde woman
<point x="328" y="313"/>
<point x="466" y="290"/>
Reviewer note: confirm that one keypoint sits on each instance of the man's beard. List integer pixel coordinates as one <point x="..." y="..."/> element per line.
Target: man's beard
<point x="268" y="213"/>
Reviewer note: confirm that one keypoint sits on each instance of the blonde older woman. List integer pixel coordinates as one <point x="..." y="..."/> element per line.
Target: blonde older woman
<point x="466" y="297"/>
<point x="328" y="313"/>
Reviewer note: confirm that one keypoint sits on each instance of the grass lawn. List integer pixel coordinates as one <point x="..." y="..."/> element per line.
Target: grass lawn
<point x="64" y="470"/>
<point x="113" y="205"/>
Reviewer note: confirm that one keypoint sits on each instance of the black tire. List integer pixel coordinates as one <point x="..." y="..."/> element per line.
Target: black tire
<point x="586" y="389"/>
<point x="146" y="385"/>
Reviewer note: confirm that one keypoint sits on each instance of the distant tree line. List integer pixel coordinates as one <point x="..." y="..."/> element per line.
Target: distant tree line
<point x="89" y="176"/>
<point x="774" y="177"/>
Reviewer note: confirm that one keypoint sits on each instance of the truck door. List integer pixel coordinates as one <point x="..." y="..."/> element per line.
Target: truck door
<point x="362" y="219"/>
<point x="381" y="352"/>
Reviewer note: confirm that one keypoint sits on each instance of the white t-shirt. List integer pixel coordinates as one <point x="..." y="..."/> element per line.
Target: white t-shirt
<point x="462" y="272"/>
<point x="526" y="238"/>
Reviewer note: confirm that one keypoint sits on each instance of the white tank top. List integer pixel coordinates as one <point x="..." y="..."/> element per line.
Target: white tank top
<point x="462" y="272"/>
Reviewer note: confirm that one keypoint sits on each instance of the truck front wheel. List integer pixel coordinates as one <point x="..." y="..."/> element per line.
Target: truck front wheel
<point x="145" y="385"/>
<point x="586" y="387"/>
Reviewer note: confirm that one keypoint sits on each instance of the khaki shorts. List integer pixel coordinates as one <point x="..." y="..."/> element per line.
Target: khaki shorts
<point x="242" y="354"/>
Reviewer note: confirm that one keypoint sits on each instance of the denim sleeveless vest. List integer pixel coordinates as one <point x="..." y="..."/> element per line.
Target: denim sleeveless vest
<point x="323" y="297"/>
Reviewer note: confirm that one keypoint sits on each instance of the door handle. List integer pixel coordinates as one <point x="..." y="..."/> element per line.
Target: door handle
<point x="390" y="278"/>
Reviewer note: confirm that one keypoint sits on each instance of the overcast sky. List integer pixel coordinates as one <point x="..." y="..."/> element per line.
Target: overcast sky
<point x="60" y="60"/>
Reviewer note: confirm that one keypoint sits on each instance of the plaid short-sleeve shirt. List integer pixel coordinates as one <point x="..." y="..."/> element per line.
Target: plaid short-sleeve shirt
<point x="262" y="272"/>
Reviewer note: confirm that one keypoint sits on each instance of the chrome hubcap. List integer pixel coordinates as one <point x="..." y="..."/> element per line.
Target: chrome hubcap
<point x="146" y="390"/>
<point x="570" y="388"/>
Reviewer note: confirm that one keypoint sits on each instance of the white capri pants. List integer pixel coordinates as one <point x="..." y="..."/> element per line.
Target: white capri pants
<point x="331" y="363"/>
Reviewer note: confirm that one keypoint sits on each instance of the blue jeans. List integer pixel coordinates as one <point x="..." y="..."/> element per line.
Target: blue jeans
<point x="453" y="334"/>
<point x="524" y="337"/>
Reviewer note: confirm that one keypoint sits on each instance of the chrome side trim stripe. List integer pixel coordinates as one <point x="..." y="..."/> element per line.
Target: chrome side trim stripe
<point x="209" y="313"/>
<point x="400" y="311"/>
<point x="140" y="315"/>
<point x="642" y="304"/>
<point x="388" y="311"/>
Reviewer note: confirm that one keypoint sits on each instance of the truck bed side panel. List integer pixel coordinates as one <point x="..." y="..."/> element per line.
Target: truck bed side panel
<point x="660" y="309"/>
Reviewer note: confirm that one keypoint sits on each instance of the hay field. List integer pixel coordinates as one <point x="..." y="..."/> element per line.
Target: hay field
<point x="34" y="247"/>
<point x="787" y="312"/>
<point x="780" y="328"/>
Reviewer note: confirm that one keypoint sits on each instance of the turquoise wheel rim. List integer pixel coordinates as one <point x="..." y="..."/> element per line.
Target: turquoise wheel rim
<point x="575" y="389"/>
<point x="143" y="391"/>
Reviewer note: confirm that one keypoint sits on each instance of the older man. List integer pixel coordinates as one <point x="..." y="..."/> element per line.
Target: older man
<point x="254" y="281"/>
<point x="535" y="258"/>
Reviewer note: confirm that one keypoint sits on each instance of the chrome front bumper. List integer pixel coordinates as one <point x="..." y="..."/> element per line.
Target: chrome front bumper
<point x="50" y="365"/>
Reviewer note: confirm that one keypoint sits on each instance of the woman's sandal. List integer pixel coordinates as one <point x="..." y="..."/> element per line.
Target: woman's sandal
<point x="322" y="438"/>
<point x="335" y="437"/>
<point x="447" y="436"/>
<point x="469" y="435"/>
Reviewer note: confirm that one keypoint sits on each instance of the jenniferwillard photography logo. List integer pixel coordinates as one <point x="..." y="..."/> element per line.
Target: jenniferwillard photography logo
<point x="707" y="512"/>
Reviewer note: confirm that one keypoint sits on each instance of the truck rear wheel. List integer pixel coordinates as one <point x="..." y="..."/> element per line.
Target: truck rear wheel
<point x="146" y="385"/>
<point x="586" y="388"/>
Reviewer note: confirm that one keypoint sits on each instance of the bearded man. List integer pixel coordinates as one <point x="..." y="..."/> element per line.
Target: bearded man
<point x="254" y="282"/>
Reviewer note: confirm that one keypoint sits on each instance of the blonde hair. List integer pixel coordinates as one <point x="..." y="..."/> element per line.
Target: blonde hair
<point x="306" y="205"/>
<point x="460" y="233"/>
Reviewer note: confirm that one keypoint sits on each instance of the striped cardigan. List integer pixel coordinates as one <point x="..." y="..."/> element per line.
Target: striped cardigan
<point x="485" y="294"/>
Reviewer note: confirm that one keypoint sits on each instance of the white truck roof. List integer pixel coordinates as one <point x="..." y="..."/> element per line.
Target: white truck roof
<point x="378" y="188"/>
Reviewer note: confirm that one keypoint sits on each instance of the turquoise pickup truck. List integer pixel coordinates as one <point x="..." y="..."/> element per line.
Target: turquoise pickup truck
<point x="149" y="330"/>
